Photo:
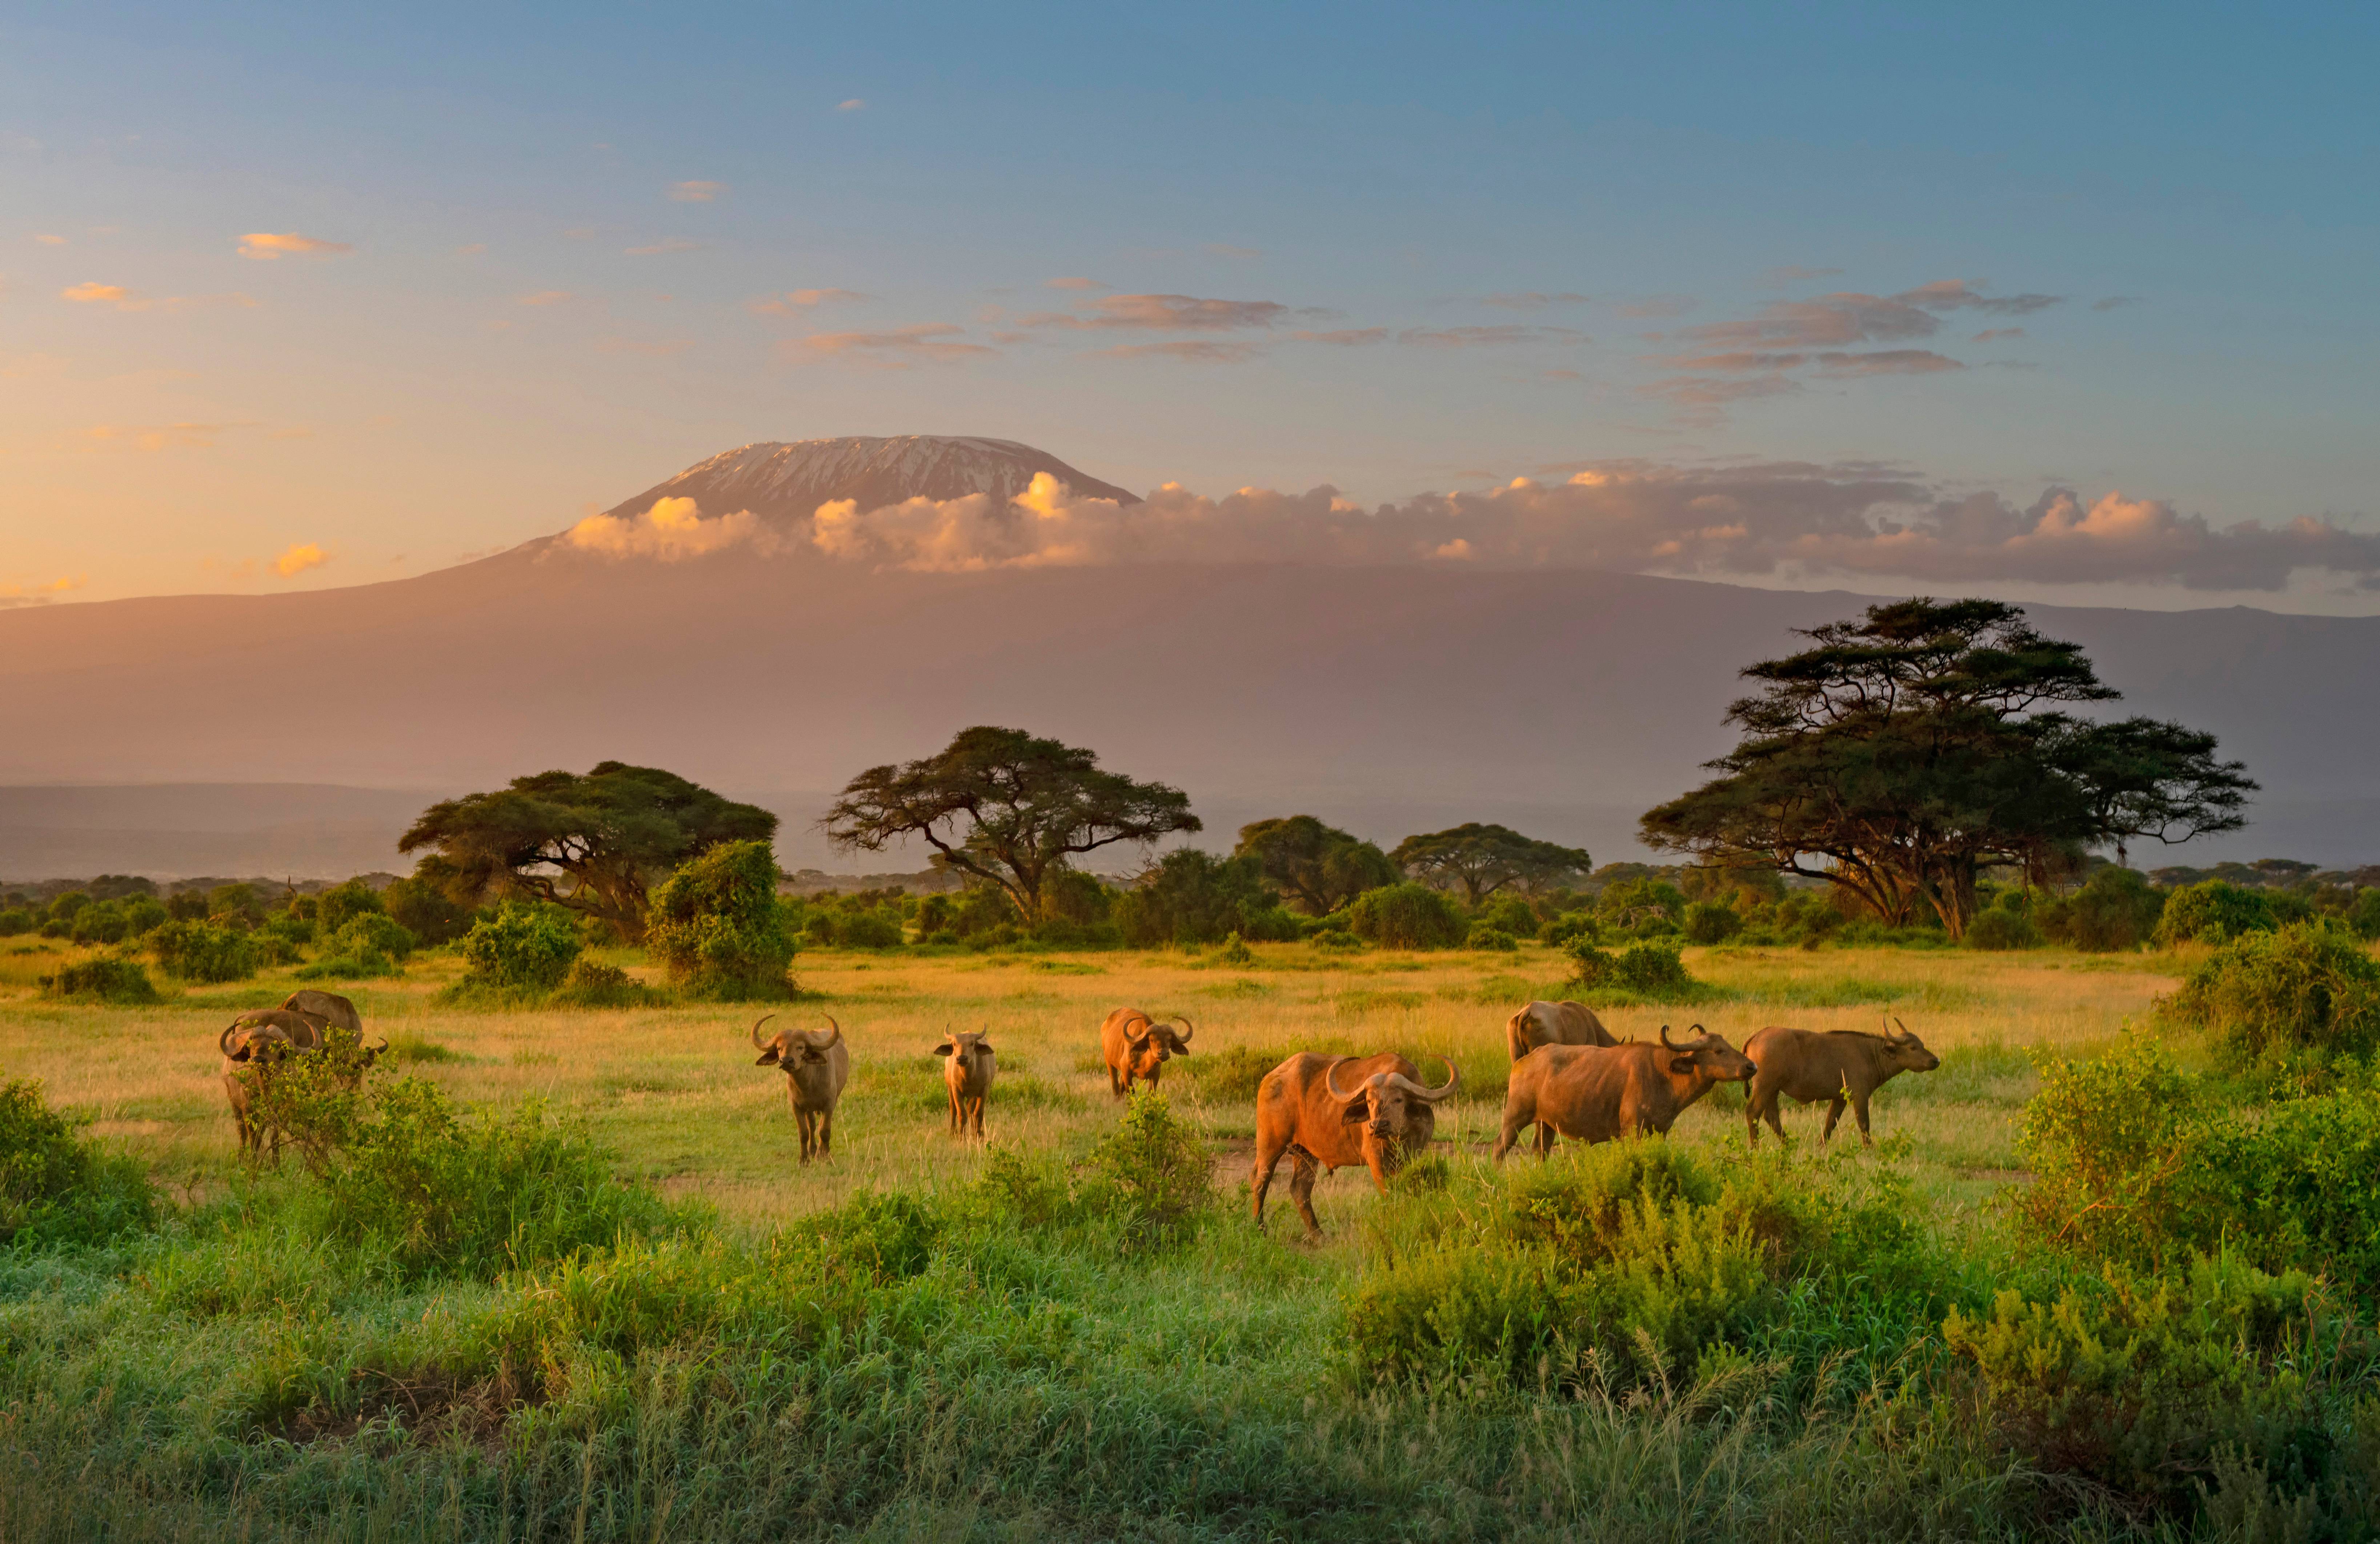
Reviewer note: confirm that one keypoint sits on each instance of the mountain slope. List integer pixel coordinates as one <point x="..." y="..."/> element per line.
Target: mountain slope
<point x="786" y="481"/>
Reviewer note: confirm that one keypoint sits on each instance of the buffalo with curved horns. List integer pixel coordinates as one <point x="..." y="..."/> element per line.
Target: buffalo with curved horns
<point x="1385" y="1117"/>
<point x="1135" y="1047"/>
<point x="816" y="1065"/>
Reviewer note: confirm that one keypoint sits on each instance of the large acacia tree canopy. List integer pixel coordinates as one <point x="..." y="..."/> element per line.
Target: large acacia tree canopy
<point x="1320" y="867"/>
<point x="1483" y="860"/>
<point x="593" y="842"/>
<point x="1905" y="752"/>
<point x="1005" y="807"/>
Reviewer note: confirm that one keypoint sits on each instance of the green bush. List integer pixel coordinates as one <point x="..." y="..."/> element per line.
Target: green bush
<point x="1408" y="916"/>
<point x="1483" y="936"/>
<point x="1710" y="922"/>
<point x="56" y="1188"/>
<point x="1155" y="1169"/>
<point x="371" y="944"/>
<point x="103" y="979"/>
<point x="1570" y="928"/>
<point x="1191" y="897"/>
<point x="1999" y="928"/>
<point x="102" y="922"/>
<point x="2214" y="911"/>
<point x="718" y="928"/>
<point x="2116" y="910"/>
<point x="421" y="903"/>
<point x="1509" y="914"/>
<point x="1651" y="970"/>
<point x="593" y="984"/>
<point x="867" y="930"/>
<point x="202" y="951"/>
<point x="2140" y="1385"/>
<point x="144" y="915"/>
<point x="2280" y="999"/>
<point x="334" y="907"/>
<point x="2363" y="913"/>
<point x="17" y="921"/>
<point x="520" y="948"/>
<point x="63" y="908"/>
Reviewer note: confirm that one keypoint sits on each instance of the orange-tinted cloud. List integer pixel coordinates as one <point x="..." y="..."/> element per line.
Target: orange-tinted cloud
<point x="1164" y="313"/>
<point x="297" y="559"/>
<point x="123" y="299"/>
<point x="921" y="343"/>
<point x="162" y="436"/>
<point x="850" y="105"/>
<point x="1076" y="283"/>
<point x="695" y="192"/>
<point x="265" y="246"/>
<point x="672" y="531"/>
<point x="13" y="595"/>
<point x="1503" y="336"/>
<point x="795" y="300"/>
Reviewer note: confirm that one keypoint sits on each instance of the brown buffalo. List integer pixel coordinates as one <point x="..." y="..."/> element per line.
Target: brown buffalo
<point x="304" y="1029"/>
<point x="1553" y="1024"/>
<point x="815" y="1068"/>
<point x="1839" y="1065"/>
<point x="967" y="1075"/>
<point x="1136" y="1047"/>
<point x="1601" y="1093"/>
<point x="250" y="1055"/>
<point x="335" y="1012"/>
<point x="1338" y="1112"/>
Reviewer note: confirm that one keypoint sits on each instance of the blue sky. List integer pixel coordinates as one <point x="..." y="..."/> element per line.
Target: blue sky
<point x="576" y="246"/>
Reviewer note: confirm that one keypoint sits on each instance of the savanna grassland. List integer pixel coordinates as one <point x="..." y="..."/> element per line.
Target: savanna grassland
<point x="924" y="1338"/>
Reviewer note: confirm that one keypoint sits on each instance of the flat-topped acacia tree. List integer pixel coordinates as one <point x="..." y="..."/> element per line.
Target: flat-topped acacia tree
<point x="594" y="843"/>
<point x="1005" y="807"/>
<point x="1483" y="860"/>
<point x="1904" y="753"/>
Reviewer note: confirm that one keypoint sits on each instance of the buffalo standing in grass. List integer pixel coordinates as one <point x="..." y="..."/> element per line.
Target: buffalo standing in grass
<point x="1553" y="1024"/>
<point x="1601" y="1093"/>
<point x="335" y="1011"/>
<point x="1837" y="1065"/>
<point x="1136" y="1048"/>
<point x="816" y="1066"/>
<point x="251" y="1053"/>
<point x="335" y="1017"/>
<point x="967" y="1075"/>
<point x="1338" y="1112"/>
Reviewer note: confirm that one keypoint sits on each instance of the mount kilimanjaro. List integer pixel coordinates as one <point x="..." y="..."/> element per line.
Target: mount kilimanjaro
<point x="1386" y="699"/>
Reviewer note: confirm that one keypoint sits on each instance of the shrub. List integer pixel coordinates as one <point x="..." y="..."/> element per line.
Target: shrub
<point x="1570" y="927"/>
<point x="1710" y="922"/>
<point x="1334" y="939"/>
<point x="1509" y="914"/>
<point x="56" y="1188"/>
<point x="334" y="906"/>
<point x="1407" y="916"/>
<point x="1235" y="951"/>
<point x="520" y="948"/>
<point x="103" y="979"/>
<point x="2117" y="908"/>
<point x="144" y="915"/>
<point x="716" y="927"/>
<point x="1483" y="936"/>
<point x="63" y="908"/>
<point x="422" y="904"/>
<point x="867" y="930"/>
<point x="2138" y="1385"/>
<point x="1155" y="1169"/>
<point x="2214" y="911"/>
<point x="1999" y="928"/>
<point x="2277" y="999"/>
<point x="202" y="951"/>
<point x="236" y="905"/>
<point x="1653" y="971"/>
<point x="593" y="984"/>
<point x="102" y="922"/>
<point x="371" y="944"/>
<point x="1189" y="897"/>
<point x="16" y="921"/>
<point x="2363" y="915"/>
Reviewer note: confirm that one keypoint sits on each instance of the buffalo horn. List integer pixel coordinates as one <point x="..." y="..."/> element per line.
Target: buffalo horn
<point x="1330" y="1080"/>
<point x="1904" y="1029"/>
<point x="1187" y="1029"/>
<point x="222" y="1042"/>
<point x="381" y="1047"/>
<point x="835" y="1033"/>
<point x="1667" y="1042"/>
<point x="757" y="1043"/>
<point x="1454" y="1081"/>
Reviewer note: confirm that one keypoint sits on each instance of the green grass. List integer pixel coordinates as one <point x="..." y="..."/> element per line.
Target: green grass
<point x="929" y="1338"/>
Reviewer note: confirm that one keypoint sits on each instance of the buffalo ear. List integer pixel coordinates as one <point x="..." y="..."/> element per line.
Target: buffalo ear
<point x="768" y="1058"/>
<point x="1682" y="1063"/>
<point x="944" y="1049"/>
<point x="1358" y="1110"/>
<point x="984" y="1046"/>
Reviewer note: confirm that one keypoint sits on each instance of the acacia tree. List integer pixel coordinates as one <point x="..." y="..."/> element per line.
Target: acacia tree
<point x="1320" y="867"/>
<point x="594" y="844"/>
<point x="1483" y="860"/>
<point x="1907" y="752"/>
<point x="1005" y="807"/>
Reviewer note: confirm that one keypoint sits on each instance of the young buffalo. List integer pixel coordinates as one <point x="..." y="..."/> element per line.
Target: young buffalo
<point x="1837" y="1066"/>
<point x="1338" y="1112"/>
<point x="1136" y="1048"/>
<point x="967" y="1075"/>
<point x="815" y="1068"/>
<point x="1601" y="1093"/>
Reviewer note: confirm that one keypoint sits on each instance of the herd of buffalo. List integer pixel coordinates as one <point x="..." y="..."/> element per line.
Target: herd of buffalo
<point x="1569" y="1077"/>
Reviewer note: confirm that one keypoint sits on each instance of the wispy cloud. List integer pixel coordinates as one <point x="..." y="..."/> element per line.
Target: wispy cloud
<point x="14" y="595"/>
<point x="922" y="343"/>
<point x="1995" y="335"/>
<point x="672" y="243"/>
<point x="1347" y="337"/>
<point x="123" y="299"/>
<point x="474" y="250"/>
<point x="1075" y="283"/>
<point x="1877" y="361"/>
<point x="1532" y="300"/>
<point x="1659" y="305"/>
<point x="850" y="105"/>
<point x="1487" y="338"/>
<point x="1168" y="313"/>
<point x="266" y="246"/>
<point x="652" y="348"/>
<point x="1950" y="295"/>
<point x="695" y="192"/>
<point x="159" y="436"/>
<point x="46" y="239"/>
<point x="2114" y="302"/>
<point x="1193" y="350"/>
<point x="794" y="301"/>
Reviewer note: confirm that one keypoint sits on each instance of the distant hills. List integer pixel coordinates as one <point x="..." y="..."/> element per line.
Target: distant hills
<point x="1387" y="699"/>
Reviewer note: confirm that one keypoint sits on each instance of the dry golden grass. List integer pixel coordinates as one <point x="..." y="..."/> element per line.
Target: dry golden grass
<point x="675" y="1091"/>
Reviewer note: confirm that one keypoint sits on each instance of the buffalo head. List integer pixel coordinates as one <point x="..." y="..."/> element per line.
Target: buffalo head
<point x="792" y="1049"/>
<point x="1708" y="1055"/>
<point x="1905" y="1052"/>
<point x="1391" y="1107"/>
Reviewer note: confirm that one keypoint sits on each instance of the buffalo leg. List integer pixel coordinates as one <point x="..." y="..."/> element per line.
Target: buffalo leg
<point x="807" y="1122"/>
<point x="957" y="1115"/>
<point x="978" y="1113"/>
<point x="1859" y="1108"/>
<point x="1513" y="1123"/>
<point x="1119" y="1084"/>
<point x="1301" y="1190"/>
<point x="1834" y="1114"/>
<point x="1260" y="1181"/>
<point x="1545" y="1141"/>
<point x="1776" y="1121"/>
<point x="826" y="1133"/>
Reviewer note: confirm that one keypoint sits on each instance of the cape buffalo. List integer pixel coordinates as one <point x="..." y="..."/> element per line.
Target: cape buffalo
<point x="1338" y="1112"/>
<point x="304" y="1029"/>
<point x="967" y="1075"/>
<point x="1136" y="1047"/>
<point x="1836" y="1065"/>
<point x="1599" y="1093"/>
<point x="815" y="1068"/>
<point x="335" y="1012"/>
<point x="1553" y="1024"/>
<point x="250" y="1052"/>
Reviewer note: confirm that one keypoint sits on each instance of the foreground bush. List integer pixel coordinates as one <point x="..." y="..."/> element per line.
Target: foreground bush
<point x="57" y="1188"/>
<point x="2280" y="999"/>
<point x="717" y="928"/>
<point x="521" y="949"/>
<point x="103" y="980"/>
<point x="1408" y="916"/>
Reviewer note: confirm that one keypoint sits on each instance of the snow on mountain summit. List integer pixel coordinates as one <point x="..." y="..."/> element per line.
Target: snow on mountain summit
<point x="777" y="480"/>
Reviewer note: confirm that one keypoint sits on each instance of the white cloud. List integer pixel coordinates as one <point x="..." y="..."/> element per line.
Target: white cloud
<point x="673" y="530"/>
